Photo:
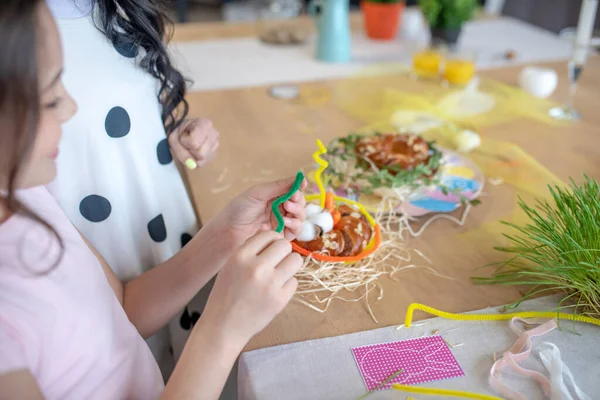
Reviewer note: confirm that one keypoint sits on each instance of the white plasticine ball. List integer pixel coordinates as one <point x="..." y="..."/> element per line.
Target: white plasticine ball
<point x="312" y="209"/>
<point x="467" y="141"/>
<point x="540" y="82"/>
<point x="309" y="232"/>
<point x="323" y="220"/>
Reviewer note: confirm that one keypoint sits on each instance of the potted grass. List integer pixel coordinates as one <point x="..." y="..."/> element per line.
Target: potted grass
<point x="446" y="18"/>
<point x="382" y="18"/>
<point x="558" y="250"/>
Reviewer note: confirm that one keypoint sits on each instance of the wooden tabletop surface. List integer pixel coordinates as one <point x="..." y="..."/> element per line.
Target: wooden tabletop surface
<point x="219" y="30"/>
<point x="263" y="139"/>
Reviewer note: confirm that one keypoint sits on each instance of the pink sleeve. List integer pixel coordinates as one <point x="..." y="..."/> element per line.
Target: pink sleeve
<point x="12" y="355"/>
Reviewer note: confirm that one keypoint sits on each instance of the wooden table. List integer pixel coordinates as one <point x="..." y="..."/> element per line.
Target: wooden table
<point x="263" y="138"/>
<point x="220" y="30"/>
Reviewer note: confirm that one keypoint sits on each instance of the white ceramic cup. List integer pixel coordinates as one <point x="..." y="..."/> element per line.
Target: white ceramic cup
<point x="540" y="82"/>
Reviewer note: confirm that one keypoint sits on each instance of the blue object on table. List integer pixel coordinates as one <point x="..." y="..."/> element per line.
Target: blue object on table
<point x="333" y="26"/>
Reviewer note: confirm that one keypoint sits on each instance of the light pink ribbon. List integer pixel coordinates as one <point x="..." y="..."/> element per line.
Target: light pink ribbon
<point x="520" y="351"/>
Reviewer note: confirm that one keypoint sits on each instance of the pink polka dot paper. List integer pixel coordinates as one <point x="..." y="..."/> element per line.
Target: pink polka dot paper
<point x="423" y="359"/>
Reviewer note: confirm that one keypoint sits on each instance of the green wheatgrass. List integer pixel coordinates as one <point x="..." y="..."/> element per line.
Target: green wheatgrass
<point x="558" y="250"/>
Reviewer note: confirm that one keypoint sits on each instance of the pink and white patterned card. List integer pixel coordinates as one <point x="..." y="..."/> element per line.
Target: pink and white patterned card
<point x="423" y="359"/>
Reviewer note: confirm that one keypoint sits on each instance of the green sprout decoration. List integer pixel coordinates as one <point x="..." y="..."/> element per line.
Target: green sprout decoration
<point x="384" y="178"/>
<point x="346" y="168"/>
<point x="558" y="250"/>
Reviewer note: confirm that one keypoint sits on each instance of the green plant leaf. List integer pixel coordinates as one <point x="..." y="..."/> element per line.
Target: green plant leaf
<point x="559" y="248"/>
<point x="385" y="1"/>
<point x="447" y="14"/>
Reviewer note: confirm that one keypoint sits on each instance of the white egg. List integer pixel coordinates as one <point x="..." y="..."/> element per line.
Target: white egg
<point x="467" y="141"/>
<point x="312" y="209"/>
<point x="540" y="82"/>
<point x="323" y="220"/>
<point x="309" y="232"/>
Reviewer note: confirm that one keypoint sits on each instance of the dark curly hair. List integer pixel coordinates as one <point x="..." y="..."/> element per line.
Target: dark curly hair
<point x="143" y="23"/>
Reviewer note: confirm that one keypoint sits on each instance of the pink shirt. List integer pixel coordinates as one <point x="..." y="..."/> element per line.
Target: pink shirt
<point x="66" y="326"/>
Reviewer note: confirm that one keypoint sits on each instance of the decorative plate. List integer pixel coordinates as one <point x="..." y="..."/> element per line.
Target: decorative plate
<point x="459" y="180"/>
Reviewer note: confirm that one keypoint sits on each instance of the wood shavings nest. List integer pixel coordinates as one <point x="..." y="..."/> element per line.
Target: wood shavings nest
<point x="320" y="282"/>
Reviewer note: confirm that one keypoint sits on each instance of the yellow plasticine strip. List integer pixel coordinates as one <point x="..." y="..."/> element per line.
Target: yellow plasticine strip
<point x="322" y="166"/>
<point x="443" y="392"/>
<point x="495" y="317"/>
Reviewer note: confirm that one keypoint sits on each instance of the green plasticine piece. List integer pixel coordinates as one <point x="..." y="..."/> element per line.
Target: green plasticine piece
<point x="282" y="199"/>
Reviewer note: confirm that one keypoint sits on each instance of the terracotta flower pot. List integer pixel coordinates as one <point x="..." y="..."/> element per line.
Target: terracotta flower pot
<point x="381" y="19"/>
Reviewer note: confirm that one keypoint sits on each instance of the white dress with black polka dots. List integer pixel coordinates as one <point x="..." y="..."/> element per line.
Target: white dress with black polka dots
<point x="117" y="181"/>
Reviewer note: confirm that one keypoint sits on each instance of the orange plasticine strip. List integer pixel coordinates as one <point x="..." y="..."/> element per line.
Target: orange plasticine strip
<point x="336" y="217"/>
<point x="329" y="204"/>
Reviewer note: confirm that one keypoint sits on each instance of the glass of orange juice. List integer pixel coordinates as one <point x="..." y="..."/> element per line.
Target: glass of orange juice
<point x="427" y="63"/>
<point x="459" y="67"/>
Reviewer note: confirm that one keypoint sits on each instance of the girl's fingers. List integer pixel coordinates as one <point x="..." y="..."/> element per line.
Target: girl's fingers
<point x="299" y="198"/>
<point x="276" y="252"/>
<point x="194" y="142"/>
<point x="202" y="153"/>
<point x="264" y="227"/>
<point x="288" y="267"/>
<point x="293" y="228"/>
<point x="261" y="241"/>
<point x="304" y="184"/>
<point x="268" y="191"/>
<point x="295" y="209"/>
<point x="289" y="288"/>
<point x="207" y="156"/>
<point x="181" y="153"/>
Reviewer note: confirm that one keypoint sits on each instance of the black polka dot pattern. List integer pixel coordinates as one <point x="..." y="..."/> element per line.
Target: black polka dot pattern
<point x="95" y="208"/>
<point x="157" y="229"/>
<point x="163" y="153"/>
<point x="185" y="238"/>
<point x="187" y="320"/>
<point x="126" y="47"/>
<point x="117" y="123"/>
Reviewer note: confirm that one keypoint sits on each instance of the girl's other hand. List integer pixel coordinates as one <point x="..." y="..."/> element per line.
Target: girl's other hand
<point x="254" y="286"/>
<point x="195" y="142"/>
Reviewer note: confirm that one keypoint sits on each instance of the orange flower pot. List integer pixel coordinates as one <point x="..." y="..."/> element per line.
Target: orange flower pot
<point x="381" y="19"/>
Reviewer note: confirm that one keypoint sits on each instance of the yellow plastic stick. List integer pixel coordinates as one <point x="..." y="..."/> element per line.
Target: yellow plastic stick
<point x="443" y="392"/>
<point x="495" y="317"/>
<point x="323" y="165"/>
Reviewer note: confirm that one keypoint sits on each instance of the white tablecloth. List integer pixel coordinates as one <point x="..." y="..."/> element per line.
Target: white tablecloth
<point x="246" y="62"/>
<point x="325" y="369"/>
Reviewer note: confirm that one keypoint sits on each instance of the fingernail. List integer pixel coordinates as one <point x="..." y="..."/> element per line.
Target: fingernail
<point x="191" y="164"/>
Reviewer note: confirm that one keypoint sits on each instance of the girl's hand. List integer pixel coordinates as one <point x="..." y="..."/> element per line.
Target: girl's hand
<point x="251" y="212"/>
<point x="254" y="286"/>
<point x="195" y="142"/>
